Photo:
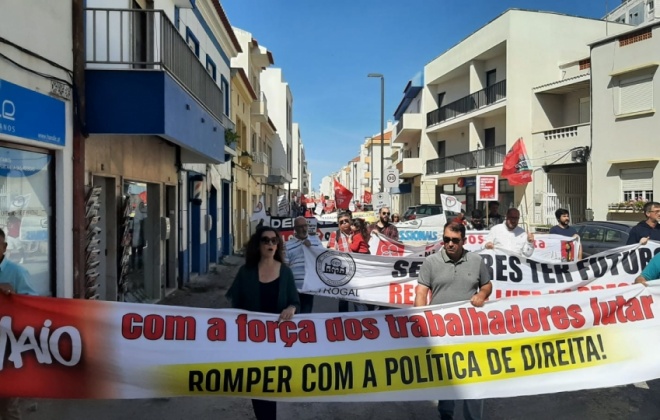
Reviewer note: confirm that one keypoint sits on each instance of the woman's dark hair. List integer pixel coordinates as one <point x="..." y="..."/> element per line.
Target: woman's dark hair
<point x="253" y="253"/>
<point x="361" y="226"/>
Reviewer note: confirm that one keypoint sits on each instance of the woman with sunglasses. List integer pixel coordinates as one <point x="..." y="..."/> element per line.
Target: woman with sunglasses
<point x="265" y="284"/>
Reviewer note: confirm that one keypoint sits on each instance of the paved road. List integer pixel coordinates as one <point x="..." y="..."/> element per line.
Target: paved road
<point x="614" y="403"/>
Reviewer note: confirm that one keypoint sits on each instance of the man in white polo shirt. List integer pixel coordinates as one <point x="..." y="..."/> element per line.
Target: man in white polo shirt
<point x="294" y="257"/>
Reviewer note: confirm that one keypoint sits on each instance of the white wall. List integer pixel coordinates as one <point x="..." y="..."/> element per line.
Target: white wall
<point x="632" y="139"/>
<point x="278" y="94"/>
<point x="47" y="20"/>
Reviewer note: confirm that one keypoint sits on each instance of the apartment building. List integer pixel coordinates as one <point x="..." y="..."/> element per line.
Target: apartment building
<point x="157" y="140"/>
<point x="478" y="98"/>
<point x="280" y="112"/>
<point x="250" y="114"/>
<point x="634" y="12"/>
<point x="623" y="163"/>
<point x="406" y="144"/>
<point x="378" y="154"/>
<point x="36" y="131"/>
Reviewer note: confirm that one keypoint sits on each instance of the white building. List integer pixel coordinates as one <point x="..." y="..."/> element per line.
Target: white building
<point x="326" y="188"/>
<point x="36" y="130"/>
<point x="296" y="159"/>
<point x="634" y="12"/>
<point x="624" y="158"/>
<point x="477" y="99"/>
<point x="406" y="145"/>
<point x="280" y="108"/>
<point x="378" y="155"/>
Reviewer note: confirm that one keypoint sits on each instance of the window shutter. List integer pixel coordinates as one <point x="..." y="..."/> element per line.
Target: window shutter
<point x="635" y="96"/>
<point x="637" y="179"/>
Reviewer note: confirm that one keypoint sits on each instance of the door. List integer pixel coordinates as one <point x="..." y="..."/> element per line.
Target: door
<point x="213" y="233"/>
<point x="491" y="80"/>
<point x="442" y="150"/>
<point x="171" y="237"/>
<point x="585" y="110"/>
<point x="489" y="147"/>
<point x="226" y="218"/>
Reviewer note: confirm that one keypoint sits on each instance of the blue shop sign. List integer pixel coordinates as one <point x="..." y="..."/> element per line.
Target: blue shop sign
<point x="31" y="115"/>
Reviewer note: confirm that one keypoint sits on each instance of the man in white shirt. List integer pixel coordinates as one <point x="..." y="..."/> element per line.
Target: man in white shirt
<point x="510" y="236"/>
<point x="294" y="257"/>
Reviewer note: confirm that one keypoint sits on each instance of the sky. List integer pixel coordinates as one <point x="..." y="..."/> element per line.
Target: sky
<point x="326" y="48"/>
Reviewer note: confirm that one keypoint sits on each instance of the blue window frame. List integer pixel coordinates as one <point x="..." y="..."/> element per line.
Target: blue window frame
<point x="225" y="91"/>
<point x="210" y="67"/>
<point x="192" y="41"/>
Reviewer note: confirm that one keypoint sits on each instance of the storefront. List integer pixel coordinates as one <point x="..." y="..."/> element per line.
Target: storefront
<point x="33" y="131"/>
<point x="465" y="190"/>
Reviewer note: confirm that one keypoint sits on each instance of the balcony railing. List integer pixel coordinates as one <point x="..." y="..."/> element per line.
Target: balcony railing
<point x="410" y="154"/>
<point x="399" y="126"/>
<point x="468" y="104"/>
<point x="131" y="39"/>
<point x="261" y="157"/>
<point x="483" y="158"/>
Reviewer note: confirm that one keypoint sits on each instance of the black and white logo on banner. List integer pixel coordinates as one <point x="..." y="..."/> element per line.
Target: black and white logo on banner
<point x="335" y="268"/>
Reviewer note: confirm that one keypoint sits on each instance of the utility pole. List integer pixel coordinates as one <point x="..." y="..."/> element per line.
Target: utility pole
<point x="79" y="134"/>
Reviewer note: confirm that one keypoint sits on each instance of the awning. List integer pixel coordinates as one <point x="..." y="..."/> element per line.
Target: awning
<point x="638" y="160"/>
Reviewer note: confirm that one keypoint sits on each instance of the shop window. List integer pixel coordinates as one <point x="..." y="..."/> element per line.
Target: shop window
<point x="25" y="203"/>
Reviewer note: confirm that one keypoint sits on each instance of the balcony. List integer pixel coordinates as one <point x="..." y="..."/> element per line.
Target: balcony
<point x="483" y="158"/>
<point x="409" y="128"/>
<point x="471" y="103"/>
<point x="557" y="140"/>
<point x="260" y="166"/>
<point x="259" y="110"/>
<point x="411" y="164"/>
<point x="144" y="78"/>
<point x="277" y="177"/>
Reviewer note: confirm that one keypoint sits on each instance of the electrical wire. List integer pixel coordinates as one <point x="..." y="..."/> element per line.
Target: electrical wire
<point x="38" y="73"/>
<point x="33" y="54"/>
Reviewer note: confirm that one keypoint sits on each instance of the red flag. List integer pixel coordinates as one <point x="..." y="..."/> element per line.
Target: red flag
<point x="342" y="196"/>
<point x="516" y="166"/>
<point x="367" y="197"/>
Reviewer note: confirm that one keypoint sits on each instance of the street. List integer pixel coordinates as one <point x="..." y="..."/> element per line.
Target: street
<point x="627" y="402"/>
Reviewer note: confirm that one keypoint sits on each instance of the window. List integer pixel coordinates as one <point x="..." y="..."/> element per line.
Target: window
<point x="210" y="67"/>
<point x="635" y="94"/>
<point x="593" y="234"/>
<point x="650" y="5"/>
<point x="585" y="110"/>
<point x="441" y="98"/>
<point x="636" y="15"/>
<point x="192" y="41"/>
<point x="637" y="184"/>
<point x="620" y="19"/>
<point x="224" y="86"/>
<point x="25" y="213"/>
<point x="613" y="236"/>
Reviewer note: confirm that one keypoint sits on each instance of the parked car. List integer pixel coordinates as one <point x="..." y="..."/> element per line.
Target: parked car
<point x="409" y="211"/>
<point x="601" y="236"/>
<point x="425" y="210"/>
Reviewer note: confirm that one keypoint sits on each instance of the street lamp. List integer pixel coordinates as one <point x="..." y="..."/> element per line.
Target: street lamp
<point x="382" y="129"/>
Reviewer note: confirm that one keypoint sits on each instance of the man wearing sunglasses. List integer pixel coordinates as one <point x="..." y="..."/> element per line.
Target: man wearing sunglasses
<point x="454" y="275"/>
<point x="383" y="225"/>
<point x="294" y="257"/>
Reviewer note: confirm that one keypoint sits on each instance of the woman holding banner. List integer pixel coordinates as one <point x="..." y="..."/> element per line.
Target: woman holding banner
<point x="265" y="284"/>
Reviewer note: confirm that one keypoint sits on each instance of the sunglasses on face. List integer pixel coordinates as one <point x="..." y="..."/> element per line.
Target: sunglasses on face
<point x="385" y="214"/>
<point x="447" y="239"/>
<point x="272" y="240"/>
<point x="344" y="221"/>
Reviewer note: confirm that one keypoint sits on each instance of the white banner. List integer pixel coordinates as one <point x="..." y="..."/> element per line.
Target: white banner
<point x="391" y="281"/>
<point x="508" y="348"/>
<point x="546" y="247"/>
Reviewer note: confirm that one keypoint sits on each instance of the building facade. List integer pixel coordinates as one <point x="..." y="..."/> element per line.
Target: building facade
<point x="156" y="140"/>
<point x="623" y="165"/>
<point x="477" y="99"/>
<point x="36" y="131"/>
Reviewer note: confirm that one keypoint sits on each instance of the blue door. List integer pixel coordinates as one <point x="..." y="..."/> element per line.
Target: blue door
<point x="226" y="218"/>
<point x="213" y="234"/>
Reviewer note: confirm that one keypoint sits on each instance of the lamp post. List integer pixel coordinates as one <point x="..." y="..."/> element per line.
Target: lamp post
<point x="382" y="128"/>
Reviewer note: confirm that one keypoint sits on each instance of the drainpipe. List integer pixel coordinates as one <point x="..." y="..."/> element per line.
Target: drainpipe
<point x="179" y="222"/>
<point x="79" y="135"/>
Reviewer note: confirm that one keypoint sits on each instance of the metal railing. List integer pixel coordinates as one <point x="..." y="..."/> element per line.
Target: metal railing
<point x="482" y="158"/>
<point x="468" y="104"/>
<point x="399" y="126"/>
<point x="410" y="154"/>
<point x="132" y="39"/>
